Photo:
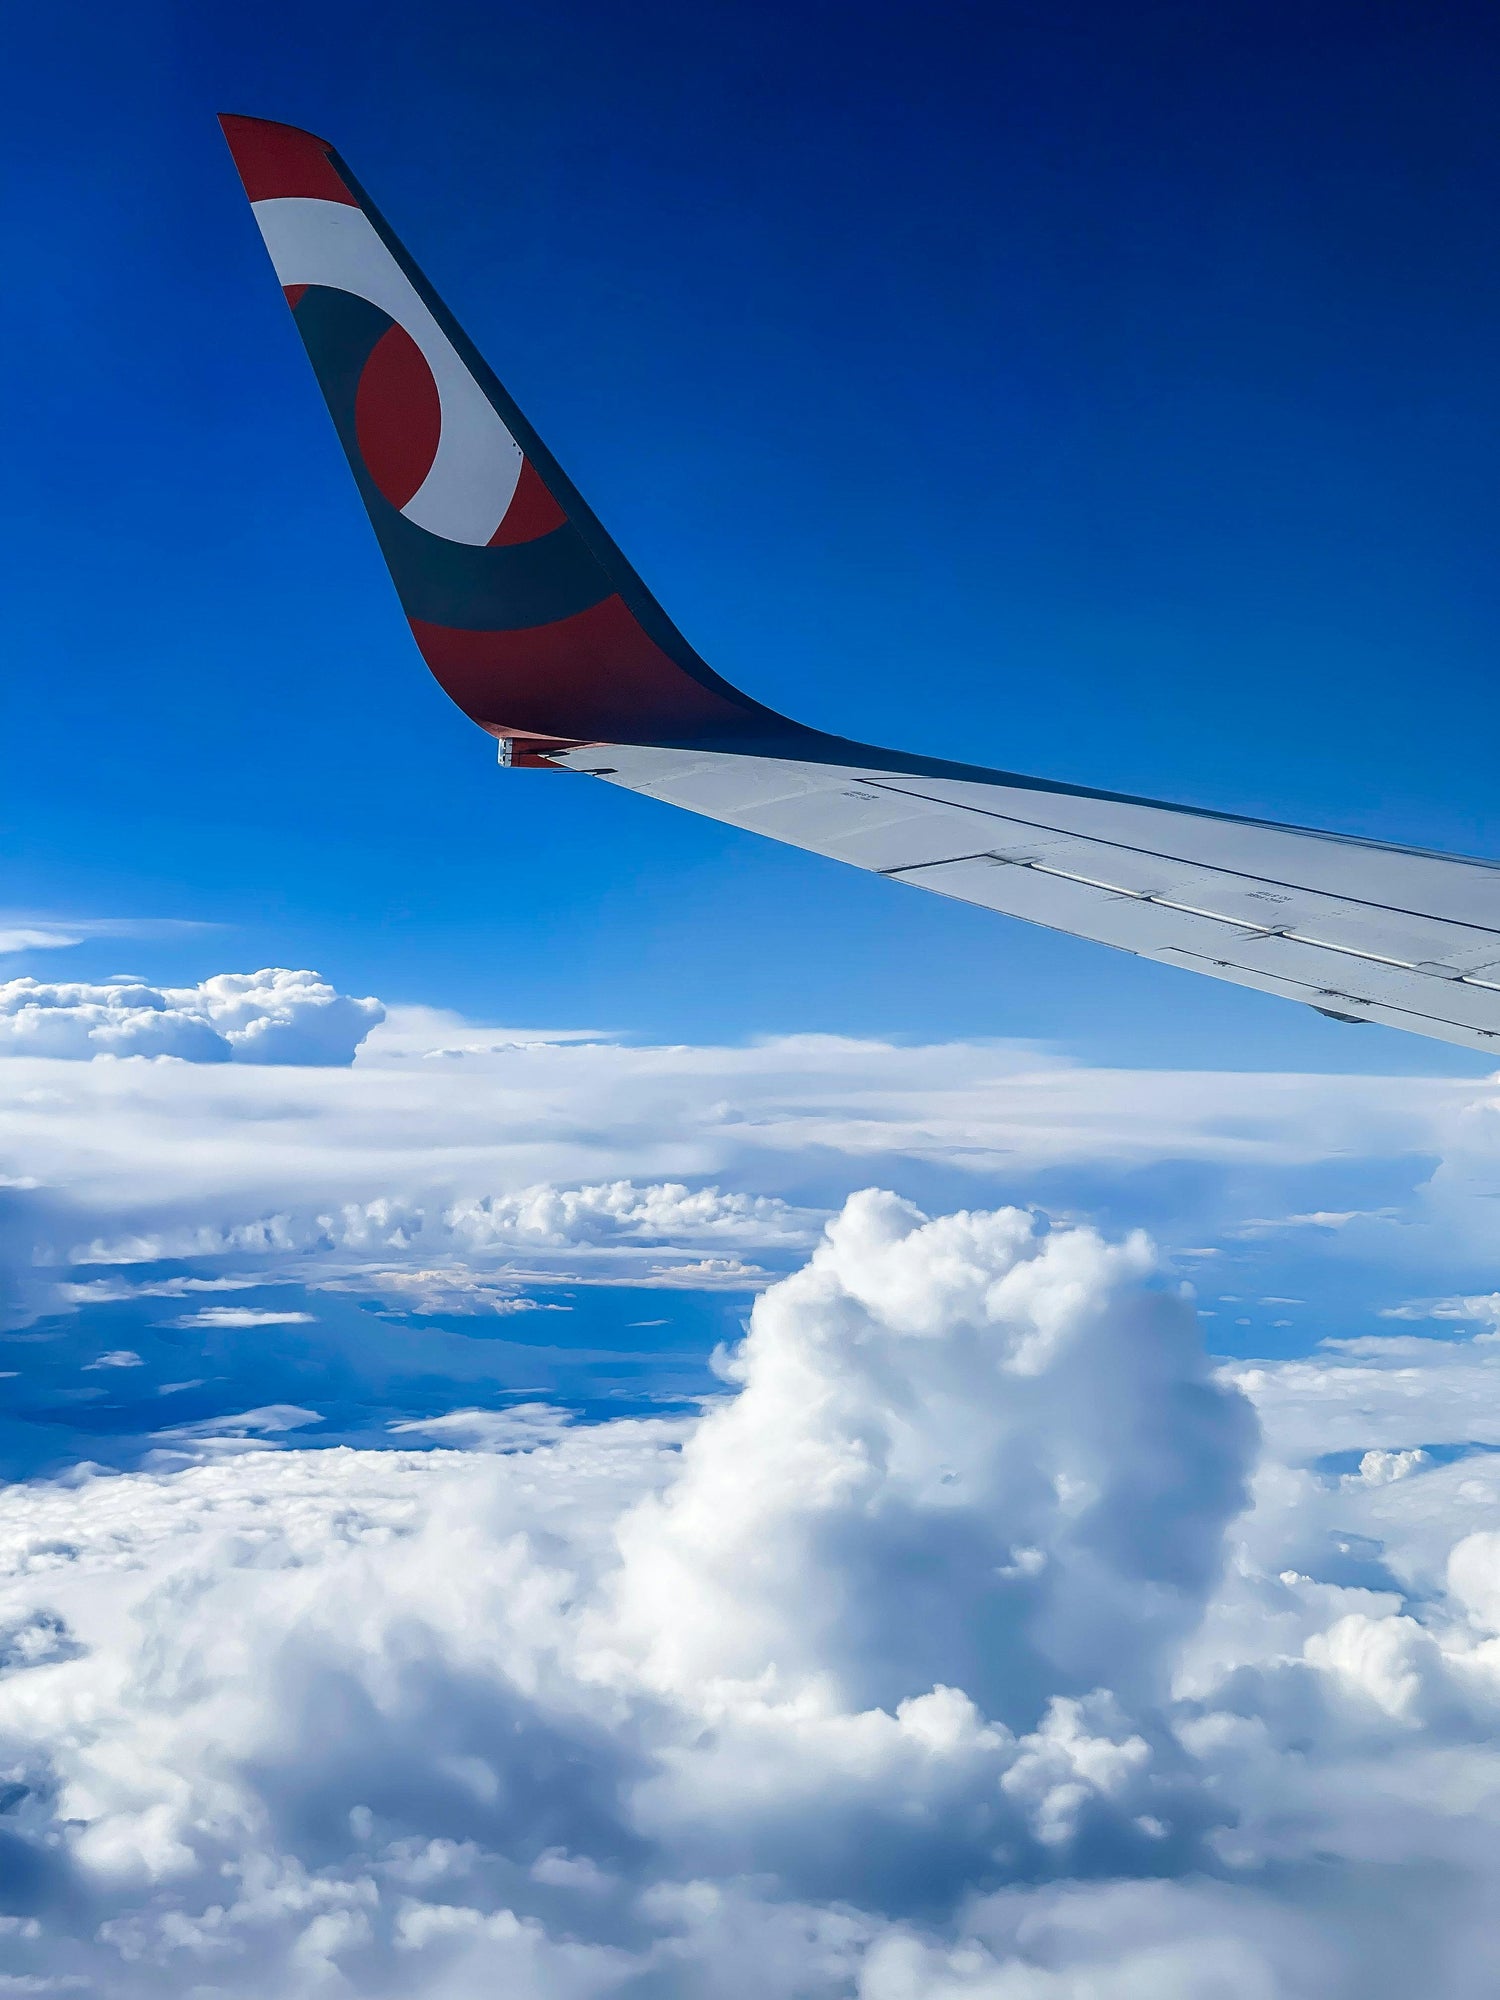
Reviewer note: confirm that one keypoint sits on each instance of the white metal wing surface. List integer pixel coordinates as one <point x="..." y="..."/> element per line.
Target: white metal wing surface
<point x="1360" y="930"/>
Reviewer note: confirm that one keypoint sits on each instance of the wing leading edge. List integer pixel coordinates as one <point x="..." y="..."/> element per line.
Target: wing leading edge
<point x="534" y="623"/>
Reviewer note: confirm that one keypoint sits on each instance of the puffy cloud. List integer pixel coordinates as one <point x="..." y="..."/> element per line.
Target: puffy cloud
<point x="1379" y="1468"/>
<point x="726" y="1704"/>
<point x="619" y="1210"/>
<point x="940" y="1658"/>
<point x="934" y="1658"/>
<point x="964" y="1453"/>
<point x="273" y="1016"/>
<point x="627" y="1224"/>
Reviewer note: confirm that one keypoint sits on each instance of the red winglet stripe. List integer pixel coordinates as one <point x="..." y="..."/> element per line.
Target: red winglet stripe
<point x="532" y="511"/>
<point x="275" y="160"/>
<point x="595" y="677"/>
<point x="398" y="417"/>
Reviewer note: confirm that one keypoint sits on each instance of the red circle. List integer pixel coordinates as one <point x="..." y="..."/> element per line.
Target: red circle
<point x="398" y="416"/>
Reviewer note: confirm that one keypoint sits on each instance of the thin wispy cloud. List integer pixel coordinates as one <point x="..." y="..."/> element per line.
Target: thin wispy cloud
<point x="26" y="931"/>
<point x="243" y="1316"/>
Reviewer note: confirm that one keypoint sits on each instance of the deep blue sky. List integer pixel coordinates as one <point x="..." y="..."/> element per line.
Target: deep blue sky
<point x="1107" y="391"/>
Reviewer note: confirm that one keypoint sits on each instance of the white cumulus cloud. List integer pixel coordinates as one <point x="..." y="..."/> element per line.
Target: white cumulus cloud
<point x="976" y="1644"/>
<point x="620" y="1210"/>
<point x="981" y="1638"/>
<point x="273" y="1016"/>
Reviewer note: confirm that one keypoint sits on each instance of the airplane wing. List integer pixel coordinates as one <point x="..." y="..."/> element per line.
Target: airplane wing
<point x="534" y="623"/>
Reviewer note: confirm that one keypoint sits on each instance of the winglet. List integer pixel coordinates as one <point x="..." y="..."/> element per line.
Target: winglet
<point x="276" y="161"/>
<point x="522" y="606"/>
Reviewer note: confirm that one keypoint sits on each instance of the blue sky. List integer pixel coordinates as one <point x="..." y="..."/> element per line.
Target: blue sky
<point x="1102" y="393"/>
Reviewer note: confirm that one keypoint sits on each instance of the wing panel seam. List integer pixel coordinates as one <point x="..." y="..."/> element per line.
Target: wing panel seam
<point x="1332" y="992"/>
<point x="1156" y="854"/>
<point x="1251" y="932"/>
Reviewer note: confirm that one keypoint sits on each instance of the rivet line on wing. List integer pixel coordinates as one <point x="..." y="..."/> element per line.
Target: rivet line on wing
<point x="1251" y="931"/>
<point x="1064" y="833"/>
<point x="1291" y="988"/>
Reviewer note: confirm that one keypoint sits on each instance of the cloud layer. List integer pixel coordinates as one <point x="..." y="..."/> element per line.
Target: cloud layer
<point x="460" y="1174"/>
<point x="980" y="1640"/>
<point x="905" y="1602"/>
<point x="936" y="1661"/>
<point x="443" y="1143"/>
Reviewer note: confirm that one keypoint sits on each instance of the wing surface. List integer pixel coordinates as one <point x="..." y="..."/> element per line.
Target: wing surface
<point x="536" y="625"/>
<point x="1361" y="931"/>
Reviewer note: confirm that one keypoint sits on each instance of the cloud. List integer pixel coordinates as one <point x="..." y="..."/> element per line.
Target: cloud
<point x="25" y="931"/>
<point x="911" y="1407"/>
<point x="266" y="1422"/>
<point x="1321" y="1221"/>
<point x="632" y="1223"/>
<point x="937" y="1654"/>
<point x="242" y="1316"/>
<point x="37" y="937"/>
<point x="974" y="1644"/>
<point x="570" y="1158"/>
<point x="1484" y="1307"/>
<point x="720" y="1705"/>
<point x="1379" y="1468"/>
<point x="551" y="1111"/>
<point x="447" y="1288"/>
<point x="273" y="1016"/>
<point x="1391" y="1392"/>
<point x="521" y="1427"/>
<point x="553" y="1217"/>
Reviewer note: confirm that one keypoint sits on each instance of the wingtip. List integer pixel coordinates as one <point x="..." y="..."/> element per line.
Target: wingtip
<point x="276" y="160"/>
<point x="233" y="123"/>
